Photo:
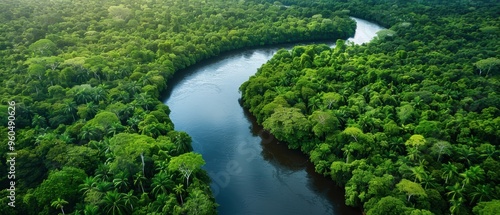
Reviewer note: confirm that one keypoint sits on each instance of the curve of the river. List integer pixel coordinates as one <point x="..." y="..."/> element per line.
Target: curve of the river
<point x="251" y="172"/>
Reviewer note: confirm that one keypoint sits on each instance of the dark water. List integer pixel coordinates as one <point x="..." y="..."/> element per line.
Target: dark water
<point x="252" y="173"/>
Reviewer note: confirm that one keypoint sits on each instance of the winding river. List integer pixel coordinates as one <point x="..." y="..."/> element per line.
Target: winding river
<point x="251" y="172"/>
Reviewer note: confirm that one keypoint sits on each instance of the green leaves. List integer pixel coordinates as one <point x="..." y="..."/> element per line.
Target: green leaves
<point x="60" y="184"/>
<point x="410" y="188"/>
<point x="288" y="124"/>
<point x="43" y="47"/>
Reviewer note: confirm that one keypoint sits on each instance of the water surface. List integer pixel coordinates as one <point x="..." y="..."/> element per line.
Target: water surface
<point x="252" y="173"/>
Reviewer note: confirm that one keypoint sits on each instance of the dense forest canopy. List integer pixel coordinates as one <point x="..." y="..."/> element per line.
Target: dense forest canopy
<point x="91" y="135"/>
<point x="409" y="123"/>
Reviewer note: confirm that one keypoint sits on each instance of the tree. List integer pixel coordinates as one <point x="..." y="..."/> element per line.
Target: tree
<point x="59" y="203"/>
<point x="416" y="141"/>
<point x="179" y="189"/>
<point x="487" y="64"/>
<point x="113" y="203"/>
<point x="88" y="184"/>
<point x="161" y="183"/>
<point x="130" y="200"/>
<point x="440" y="148"/>
<point x="43" y="47"/>
<point x="139" y="180"/>
<point x="119" y="12"/>
<point x="455" y="190"/>
<point x="418" y="173"/>
<point x="353" y="132"/>
<point x="449" y="170"/>
<point x="487" y="208"/>
<point x="410" y="188"/>
<point x="288" y="124"/>
<point x="121" y="181"/>
<point x="187" y="164"/>
<point x="456" y="204"/>
<point x="472" y="174"/>
<point x="60" y="184"/>
<point x="198" y="203"/>
<point x="323" y="122"/>
<point x="482" y="192"/>
<point x="182" y="141"/>
<point x="387" y="206"/>
<point x="91" y="210"/>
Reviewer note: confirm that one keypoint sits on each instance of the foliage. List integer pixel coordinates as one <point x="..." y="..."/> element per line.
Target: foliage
<point x="419" y="102"/>
<point x="88" y="78"/>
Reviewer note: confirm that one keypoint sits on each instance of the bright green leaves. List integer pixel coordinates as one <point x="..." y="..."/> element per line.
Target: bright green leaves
<point x="487" y="65"/>
<point x="416" y="141"/>
<point x="487" y="208"/>
<point x="119" y="12"/>
<point x="410" y="188"/>
<point x="289" y="124"/>
<point x="324" y="123"/>
<point x="187" y="164"/>
<point x="388" y="206"/>
<point x="60" y="184"/>
<point x="130" y="151"/>
<point x="43" y="47"/>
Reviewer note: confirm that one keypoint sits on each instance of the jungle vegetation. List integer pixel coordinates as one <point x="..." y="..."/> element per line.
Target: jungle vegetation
<point x="91" y="134"/>
<point x="408" y="123"/>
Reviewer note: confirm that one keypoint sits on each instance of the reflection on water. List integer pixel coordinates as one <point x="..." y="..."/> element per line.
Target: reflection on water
<point x="251" y="172"/>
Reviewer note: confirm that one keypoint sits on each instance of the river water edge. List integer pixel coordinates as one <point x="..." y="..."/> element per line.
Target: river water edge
<point x="251" y="172"/>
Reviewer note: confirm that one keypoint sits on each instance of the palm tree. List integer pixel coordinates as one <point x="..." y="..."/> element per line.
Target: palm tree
<point x="153" y="129"/>
<point x="474" y="173"/>
<point x="182" y="142"/>
<point x="455" y="190"/>
<point x="133" y="122"/>
<point x="100" y="93"/>
<point x="115" y="127"/>
<point x="88" y="134"/>
<point x="161" y="166"/>
<point x="92" y="110"/>
<point x="130" y="199"/>
<point x="59" y="203"/>
<point x="83" y="96"/>
<point x="69" y="108"/>
<point x="449" y="170"/>
<point x="91" y="210"/>
<point x="347" y="152"/>
<point x="161" y="183"/>
<point x="121" y="181"/>
<point x="66" y="138"/>
<point x="113" y="203"/>
<point x="103" y="187"/>
<point x="88" y="184"/>
<point x="103" y="173"/>
<point x="139" y="180"/>
<point x="482" y="192"/>
<point x="179" y="189"/>
<point x="418" y="173"/>
<point x="413" y="153"/>
<point x="455" y="205"/>
<point x="488" y="151"/>
<point x="427" y="180"/>
<point x="314" y="103"/>
<point x="466" y="154"/>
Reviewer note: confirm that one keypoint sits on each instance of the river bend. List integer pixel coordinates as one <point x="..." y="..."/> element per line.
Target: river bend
<point x="251" y="172"/>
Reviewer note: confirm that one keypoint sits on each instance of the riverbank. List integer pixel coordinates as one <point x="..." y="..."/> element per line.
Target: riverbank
<point x="264" y="177"/>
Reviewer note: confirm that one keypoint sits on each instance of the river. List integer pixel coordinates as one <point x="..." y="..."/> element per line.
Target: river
<point x="251" y="172"/>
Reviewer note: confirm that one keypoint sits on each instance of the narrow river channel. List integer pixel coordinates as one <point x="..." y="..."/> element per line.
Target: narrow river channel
<point x="251" y="172"/>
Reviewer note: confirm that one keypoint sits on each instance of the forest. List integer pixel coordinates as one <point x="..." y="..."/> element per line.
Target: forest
<point x="408" y="123"/>
<point x="81" y="83"/>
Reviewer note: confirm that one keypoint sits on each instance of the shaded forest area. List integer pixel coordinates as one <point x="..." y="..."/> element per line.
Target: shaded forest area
<point x="91" y="135"/>
<point x="409" y="123"/>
